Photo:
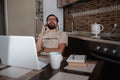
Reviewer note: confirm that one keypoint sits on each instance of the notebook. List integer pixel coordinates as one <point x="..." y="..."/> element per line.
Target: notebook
<point x="20" y="51"/>
<point x="77" y="58"/>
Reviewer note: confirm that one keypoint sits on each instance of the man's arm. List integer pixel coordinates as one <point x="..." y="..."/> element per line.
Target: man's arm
<point x="61" y="48"/>
<point x="39" y="41"/>
<point x="39" y="45"/>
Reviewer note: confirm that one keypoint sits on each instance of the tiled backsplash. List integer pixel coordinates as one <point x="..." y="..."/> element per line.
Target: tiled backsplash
<point x="96" y="11"/>
<point x="82" y="15"/>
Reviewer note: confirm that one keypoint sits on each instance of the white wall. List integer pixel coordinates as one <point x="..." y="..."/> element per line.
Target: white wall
<point x="20" y="17"/>
<point x="50" y="7"/>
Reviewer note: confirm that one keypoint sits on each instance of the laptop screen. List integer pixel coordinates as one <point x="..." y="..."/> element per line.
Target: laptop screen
<point x="19" y="51"/>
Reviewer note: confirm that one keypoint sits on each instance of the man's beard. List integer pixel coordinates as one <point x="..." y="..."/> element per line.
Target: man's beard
<point x="51" y="26"/>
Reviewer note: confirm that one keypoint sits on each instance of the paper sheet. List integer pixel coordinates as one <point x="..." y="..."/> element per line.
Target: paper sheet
<point x="68" y="76"/>
<point x="14" y="72"/>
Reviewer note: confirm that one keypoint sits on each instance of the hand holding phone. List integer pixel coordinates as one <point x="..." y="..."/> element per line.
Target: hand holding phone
<point x="44" y="28"/>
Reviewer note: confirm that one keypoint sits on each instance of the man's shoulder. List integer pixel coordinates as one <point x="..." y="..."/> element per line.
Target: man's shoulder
<point x="61" y="32"/>
<point x="57" y="33"/>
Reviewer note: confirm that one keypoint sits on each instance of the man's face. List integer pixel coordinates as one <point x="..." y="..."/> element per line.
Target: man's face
<point x="52" y="22"/>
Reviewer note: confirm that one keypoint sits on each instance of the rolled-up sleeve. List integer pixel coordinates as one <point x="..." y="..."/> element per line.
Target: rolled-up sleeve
<point x="64" y="38"/>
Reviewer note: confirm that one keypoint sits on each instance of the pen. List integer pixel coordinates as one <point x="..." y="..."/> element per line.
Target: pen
<point x="73" y="56"/>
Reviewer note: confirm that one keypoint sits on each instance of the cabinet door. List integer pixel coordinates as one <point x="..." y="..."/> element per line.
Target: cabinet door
<point x="2" y="18"/>
<point x="20" y="17"/>
<point x="61" y="3"/>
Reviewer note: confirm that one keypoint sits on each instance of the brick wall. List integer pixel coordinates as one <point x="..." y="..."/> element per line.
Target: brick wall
<point x="105" y="12"/>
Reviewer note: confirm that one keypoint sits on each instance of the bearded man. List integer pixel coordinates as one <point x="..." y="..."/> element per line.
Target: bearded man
<point x="50" y="38"/>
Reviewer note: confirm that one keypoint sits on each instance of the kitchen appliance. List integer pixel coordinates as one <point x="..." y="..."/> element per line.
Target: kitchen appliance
<point x="96" y="29"/>
<point x="107" y="49"/>
<point x="110" y="54"/>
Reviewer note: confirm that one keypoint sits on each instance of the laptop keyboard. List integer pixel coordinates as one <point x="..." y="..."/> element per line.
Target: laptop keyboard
<point x="43" y="62"/>
<point x="2" y="66"/>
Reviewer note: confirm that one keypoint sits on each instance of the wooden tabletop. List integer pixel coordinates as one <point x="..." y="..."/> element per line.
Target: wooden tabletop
<point x="46" y="73"/>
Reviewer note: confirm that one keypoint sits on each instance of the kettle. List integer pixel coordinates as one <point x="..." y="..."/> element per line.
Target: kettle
<point x="96" y="28"/>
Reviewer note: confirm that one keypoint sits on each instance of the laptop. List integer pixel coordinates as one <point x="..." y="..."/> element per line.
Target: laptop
<point x="20" y="51"/>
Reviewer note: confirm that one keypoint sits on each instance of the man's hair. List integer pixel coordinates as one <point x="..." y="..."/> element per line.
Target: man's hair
<point x="52" y="15"/>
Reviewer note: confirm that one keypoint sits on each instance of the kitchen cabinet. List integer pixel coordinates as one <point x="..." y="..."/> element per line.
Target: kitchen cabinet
<point x="67" y="3"/>
<point x="76" y="46"/>
<point x="21" y="17"/>
<point x="61" y="3"/>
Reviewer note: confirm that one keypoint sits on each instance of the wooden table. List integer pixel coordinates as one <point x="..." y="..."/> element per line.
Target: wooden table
<point x="46" y="73"/>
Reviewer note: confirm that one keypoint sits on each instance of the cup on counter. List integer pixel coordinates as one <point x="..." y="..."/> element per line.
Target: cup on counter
<point x="55" y="59"/>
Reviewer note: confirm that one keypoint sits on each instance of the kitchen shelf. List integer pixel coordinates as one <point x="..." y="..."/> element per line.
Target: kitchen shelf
<point x="65" y="3"/>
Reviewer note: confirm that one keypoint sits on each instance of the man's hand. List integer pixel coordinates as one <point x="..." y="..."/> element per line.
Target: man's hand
<point x="44" y="27"/>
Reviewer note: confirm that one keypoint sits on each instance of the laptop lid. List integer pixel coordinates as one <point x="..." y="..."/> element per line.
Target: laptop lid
<point x="19" y="51"/>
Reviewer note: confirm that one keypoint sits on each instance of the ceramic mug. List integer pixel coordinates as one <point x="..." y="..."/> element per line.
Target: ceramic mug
<point x="55" y="59"/>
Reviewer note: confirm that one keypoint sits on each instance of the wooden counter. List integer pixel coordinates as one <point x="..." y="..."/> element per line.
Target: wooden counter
<point x="46" y="73"/>
<point x="88" y="37"/>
